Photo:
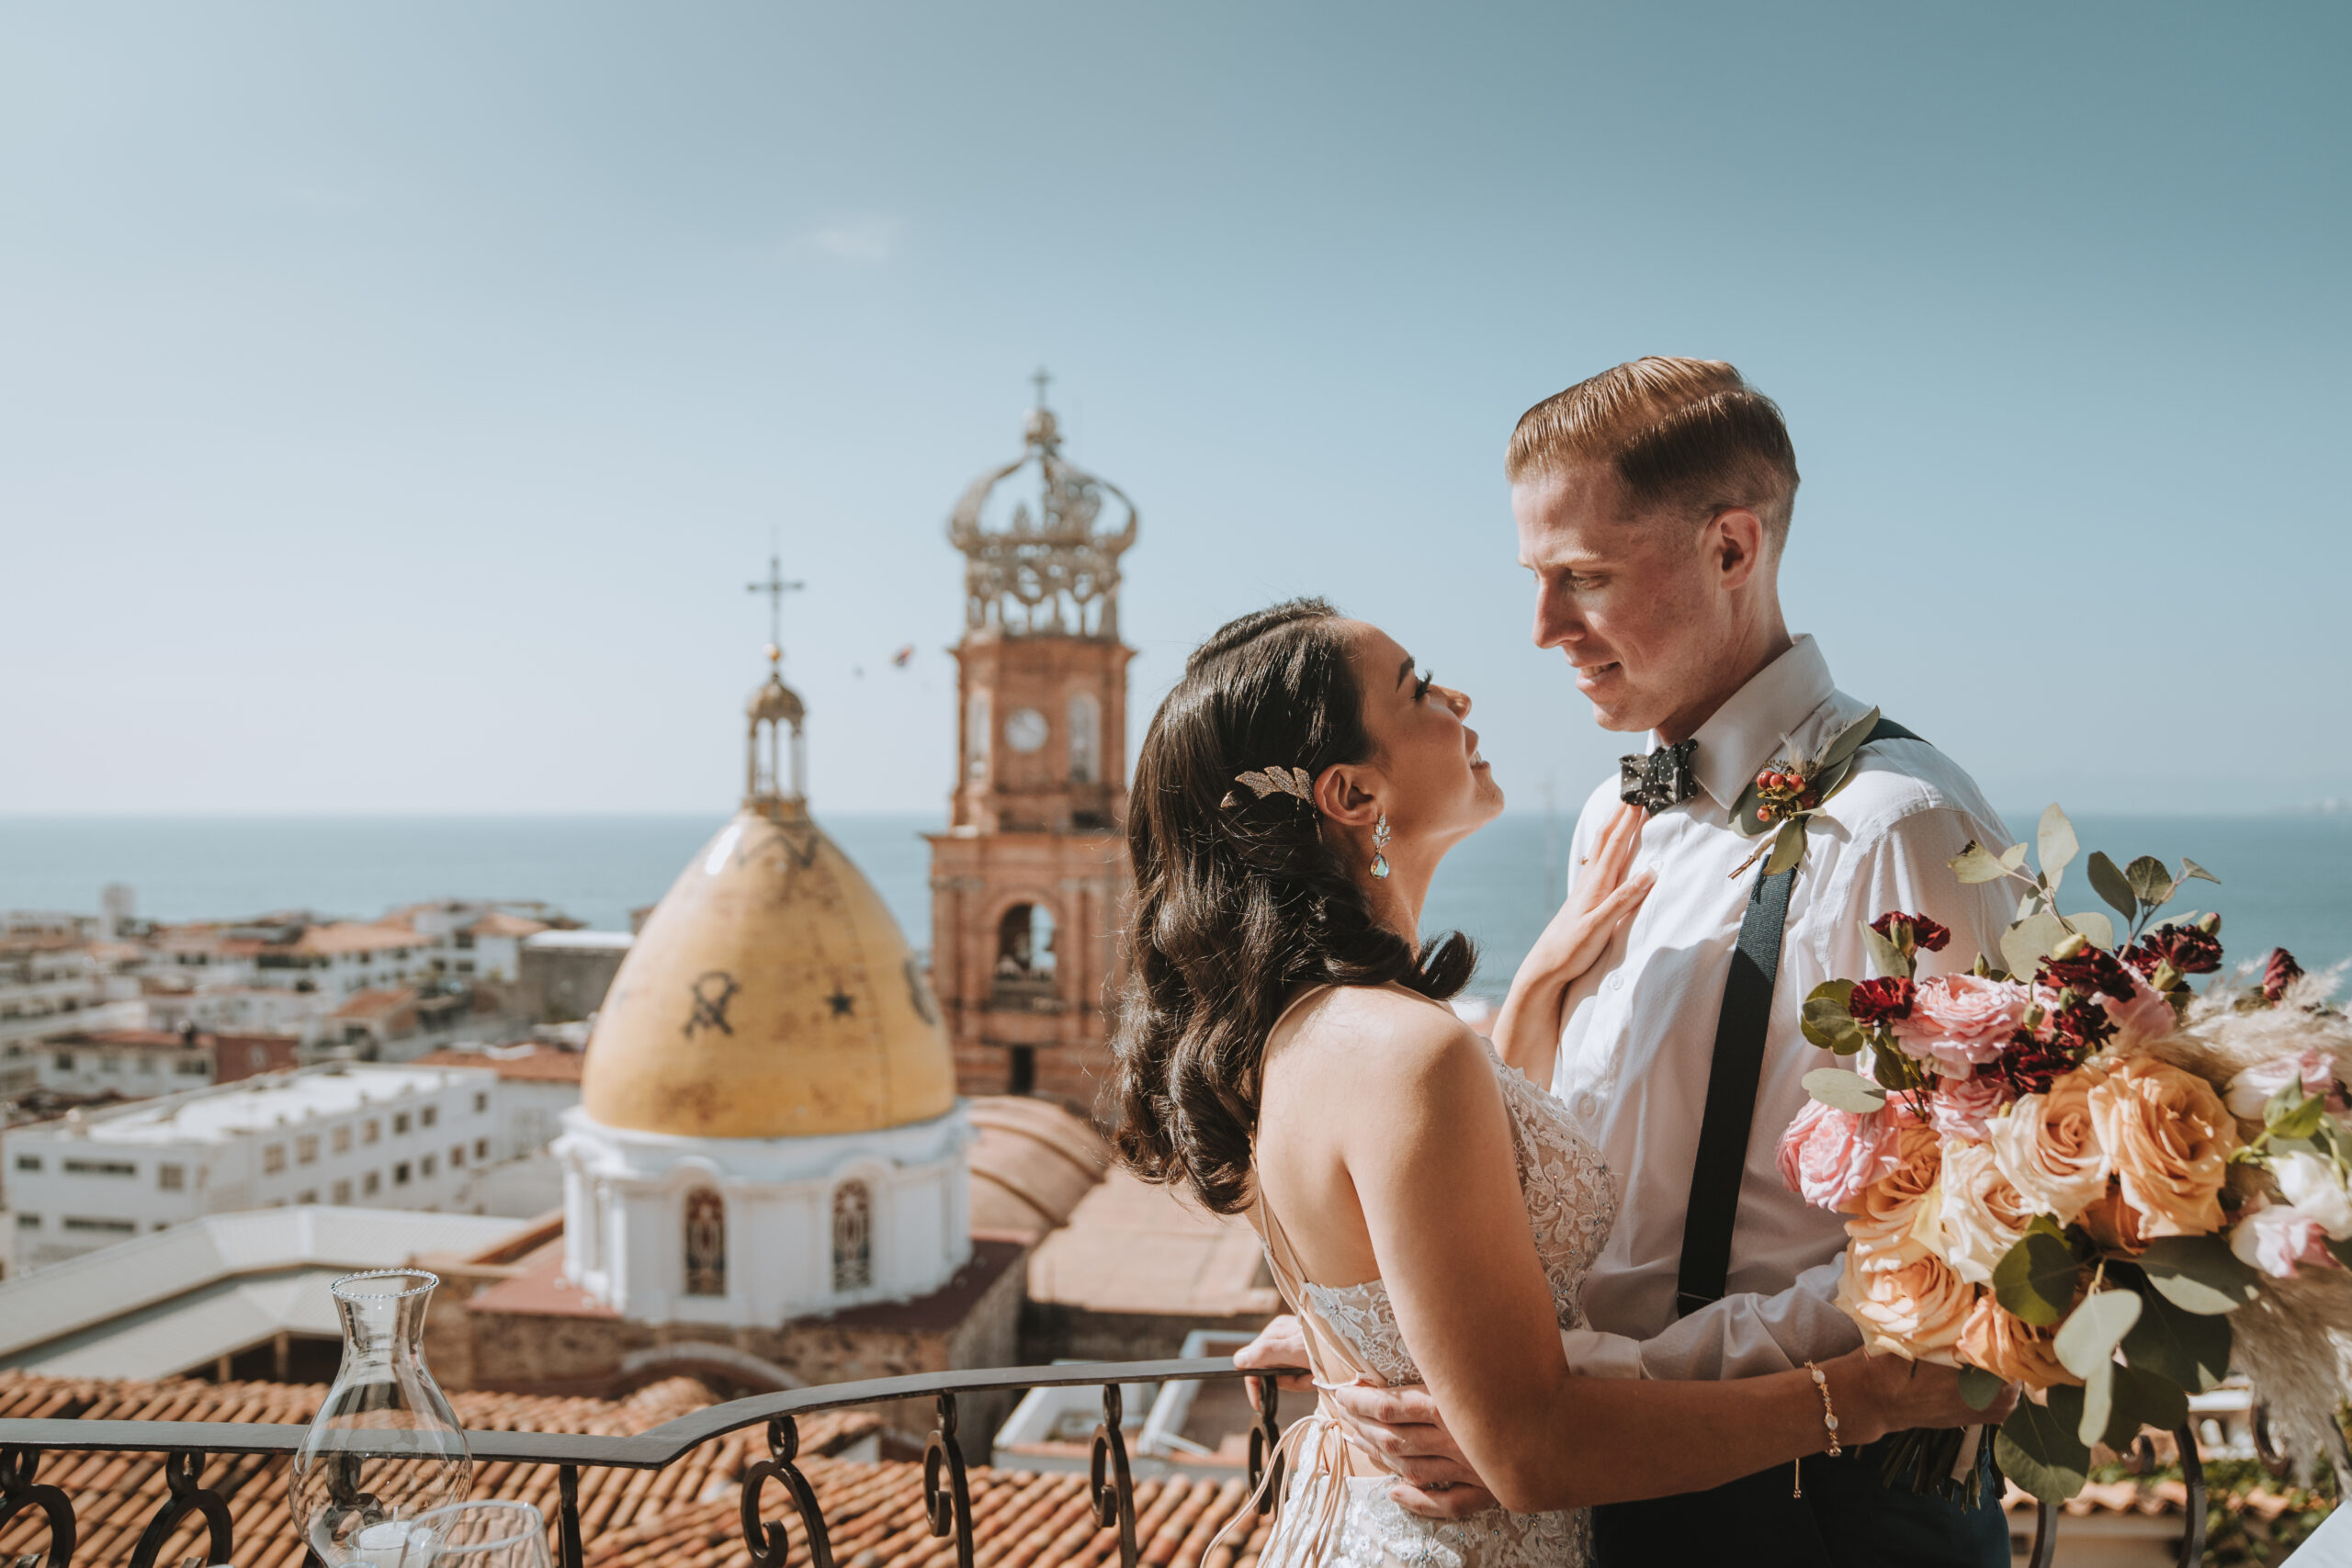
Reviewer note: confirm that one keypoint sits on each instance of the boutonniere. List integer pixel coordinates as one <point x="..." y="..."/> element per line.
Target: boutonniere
<point x="1791" y="789"/>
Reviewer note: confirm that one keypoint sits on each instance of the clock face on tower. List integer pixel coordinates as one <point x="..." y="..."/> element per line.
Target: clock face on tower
<point x="1024" y="730"/>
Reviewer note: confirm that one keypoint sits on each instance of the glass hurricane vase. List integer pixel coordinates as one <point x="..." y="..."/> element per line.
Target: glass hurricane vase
<point x="386" y="1448"/>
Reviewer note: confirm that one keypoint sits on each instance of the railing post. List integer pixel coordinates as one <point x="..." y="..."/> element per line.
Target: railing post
<point x="17" y="1492"/>
<point x="2192" y="1471"/>
<point x="181" y="1472"/>
<point x="951" y="1509"/>
<point x="1265" y="1446"/>
<point x="568" y="1483"/>
<point x="1111" y="1486"/>
<point x="766" y="1542"/>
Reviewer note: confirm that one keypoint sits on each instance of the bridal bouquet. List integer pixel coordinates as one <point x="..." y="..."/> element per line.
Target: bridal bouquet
<point x="2067" y="1169"/>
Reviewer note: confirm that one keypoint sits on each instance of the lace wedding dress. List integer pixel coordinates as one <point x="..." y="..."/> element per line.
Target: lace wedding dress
<point x="1351" y="1331"/>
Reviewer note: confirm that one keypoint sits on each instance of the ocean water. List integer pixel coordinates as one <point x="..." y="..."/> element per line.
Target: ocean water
<point x="2286" y="880"/>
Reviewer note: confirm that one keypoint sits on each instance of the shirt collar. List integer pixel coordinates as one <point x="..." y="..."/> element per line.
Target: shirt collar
<point x="1747" y="732"/>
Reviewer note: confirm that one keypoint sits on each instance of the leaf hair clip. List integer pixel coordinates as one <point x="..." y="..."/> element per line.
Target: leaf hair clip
<point x="1295" y="782"/>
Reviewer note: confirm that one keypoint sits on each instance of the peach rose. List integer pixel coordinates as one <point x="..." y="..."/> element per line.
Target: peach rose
<point x="1958" y="1021"/>
<point x="1889" y="1207"/>
<point x="2114" y="1224"/>
<point x="2049" y="1148"/>
<point x="2009" y="1347"/>
<point x="2169" y="1139"/>
<point x="1906" y="1300"/>
<point x="1983" y="1215"/>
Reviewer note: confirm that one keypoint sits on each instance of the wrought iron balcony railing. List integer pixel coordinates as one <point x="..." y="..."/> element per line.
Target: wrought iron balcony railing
<point x="947" y="1502"/>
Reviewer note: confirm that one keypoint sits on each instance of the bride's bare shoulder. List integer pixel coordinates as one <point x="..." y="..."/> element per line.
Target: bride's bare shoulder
<point x="1391" y="1039"/>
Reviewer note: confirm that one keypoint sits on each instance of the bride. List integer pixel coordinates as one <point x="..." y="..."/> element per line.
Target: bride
<point x="1285" y="1052"/>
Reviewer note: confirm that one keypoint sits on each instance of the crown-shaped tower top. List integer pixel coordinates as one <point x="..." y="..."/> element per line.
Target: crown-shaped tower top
<point x="1042" y="561"/>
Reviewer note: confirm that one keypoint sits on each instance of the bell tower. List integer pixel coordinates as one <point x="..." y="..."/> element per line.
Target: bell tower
<point x="1029" y="881"/>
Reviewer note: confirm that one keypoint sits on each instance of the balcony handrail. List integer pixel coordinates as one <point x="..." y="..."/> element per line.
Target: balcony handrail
<point x="649" y="1450"/>
<point x="947" y="1500"/>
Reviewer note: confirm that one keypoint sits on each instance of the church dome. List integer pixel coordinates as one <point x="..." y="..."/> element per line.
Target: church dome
<point x="770" y="995"/>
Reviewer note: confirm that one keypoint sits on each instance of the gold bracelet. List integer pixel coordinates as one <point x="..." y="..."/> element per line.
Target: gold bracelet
<point x="1828" y="1419"/>
<point x="1829" y="1411"/>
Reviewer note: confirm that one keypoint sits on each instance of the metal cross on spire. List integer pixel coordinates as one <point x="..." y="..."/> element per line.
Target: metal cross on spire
<point x="1041" y="379"/>
<point x="776" y="587"/>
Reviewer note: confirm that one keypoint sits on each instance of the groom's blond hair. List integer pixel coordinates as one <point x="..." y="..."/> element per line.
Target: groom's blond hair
<point x="1687" y="436"/>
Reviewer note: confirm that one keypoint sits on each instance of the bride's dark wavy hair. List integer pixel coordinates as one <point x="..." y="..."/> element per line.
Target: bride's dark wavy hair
<point x="1239" y="907"/>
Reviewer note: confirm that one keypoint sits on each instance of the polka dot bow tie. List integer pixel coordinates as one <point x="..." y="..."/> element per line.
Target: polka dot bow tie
<point x="1659" y="780"/>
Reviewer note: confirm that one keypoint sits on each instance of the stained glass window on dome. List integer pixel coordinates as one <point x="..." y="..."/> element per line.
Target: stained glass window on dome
<point x="706" y="1243"/>
<point x="852" y="1236"/>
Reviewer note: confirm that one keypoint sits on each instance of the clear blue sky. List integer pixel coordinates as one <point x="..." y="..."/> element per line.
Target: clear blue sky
<point x="394" y="399"/>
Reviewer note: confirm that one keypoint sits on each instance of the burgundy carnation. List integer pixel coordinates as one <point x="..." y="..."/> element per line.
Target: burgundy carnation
<point x="1881" y="1001"/>
<point x="2279" y="973"/>
<point x="2186" y="949"/>
<point x="2094" y="969"/>
<point x="1925" y="933"/>
<point x="2030" y="1066"/>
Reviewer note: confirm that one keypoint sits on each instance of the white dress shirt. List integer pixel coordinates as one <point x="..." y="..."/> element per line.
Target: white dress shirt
<point x="1639" y="1030"/>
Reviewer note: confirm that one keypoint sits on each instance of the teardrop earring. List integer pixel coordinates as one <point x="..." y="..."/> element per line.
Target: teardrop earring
<point x="1379" y="845"/>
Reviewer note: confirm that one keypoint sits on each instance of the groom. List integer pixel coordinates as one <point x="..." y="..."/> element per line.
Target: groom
<point x="1653" y="503"/>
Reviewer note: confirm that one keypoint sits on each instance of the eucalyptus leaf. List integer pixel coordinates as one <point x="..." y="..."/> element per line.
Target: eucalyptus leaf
<point x="1828" y="1019"/>
<point x="2056" y="842"/>
<point x="1886" y="957"/>
<point x="2108" y="881"/>
<point x="2190" y="1348"/>
<point x="1979" y="1387"/>
<point x="2099" y="1403"/>
<point x="2151" y="883"/>
<point x="1890" y="1069"/>
<point x="2034" y="1281"/>
<point x="2031" y="940"/>
<point x="2290" y="1114"/>
<point x="1743" y="810"/>
<point x="2097" y="929"/>
<point x="2198" y="1273"/>
<point x="2013" y="857"/>
<point x="1788" y="849"/>
<point x="2142" y="1399"/>
<point x="1842" y="1090"/>
<point x="1976" y="863"/>
<point x="2189" y="868"/>
<point x="2094" y="1329"/>
<point x="2040" y="1448"/>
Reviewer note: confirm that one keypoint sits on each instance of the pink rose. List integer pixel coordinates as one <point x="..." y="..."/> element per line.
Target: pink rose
<point x="2146" y="1014"/>
<point x="1829" y="1155"/>
<point x="1958" y="1021"/>
<point x="1958" y="1108"/>
<point x="2251" y="1091"/>
<point x="2274" y="1240"/>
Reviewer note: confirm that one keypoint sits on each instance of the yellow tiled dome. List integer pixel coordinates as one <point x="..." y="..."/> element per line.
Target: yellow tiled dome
<point x="770" y="995"/>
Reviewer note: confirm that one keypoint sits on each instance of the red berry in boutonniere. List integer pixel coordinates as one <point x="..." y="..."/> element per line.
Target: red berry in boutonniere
<point x="1881" y="1001"/>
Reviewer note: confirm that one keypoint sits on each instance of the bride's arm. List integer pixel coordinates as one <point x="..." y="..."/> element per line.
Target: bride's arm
<point x="1442" y="1207"/>
<point x="1601" y="899"/>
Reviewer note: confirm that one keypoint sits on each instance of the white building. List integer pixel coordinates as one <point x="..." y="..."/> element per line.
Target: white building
<point x="378" y="1136"/>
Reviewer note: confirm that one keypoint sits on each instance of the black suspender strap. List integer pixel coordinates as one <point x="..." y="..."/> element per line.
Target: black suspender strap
<point x="1732" y="1078"/>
